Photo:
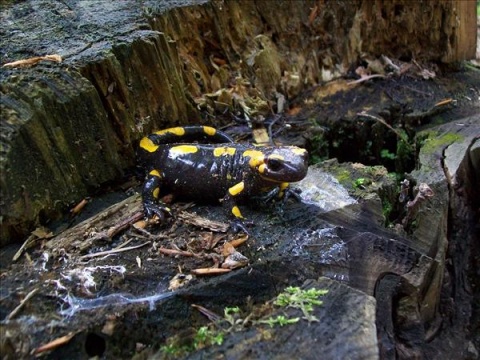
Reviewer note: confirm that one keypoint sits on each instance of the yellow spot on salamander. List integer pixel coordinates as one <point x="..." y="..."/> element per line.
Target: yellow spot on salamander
<point x="156" y="192"/>
<point x="276" y="156"/>
<point x="155" y="173"/>
<point x="236" y="212"/>
<point x="298" y="151"/>
<point x="256" y="157"/>
<point x="209" y="130"/>
<point x="282" y="188"/>
<point x="261" y="168"/>
<point x="237" y="188"/>
<point x="224" y="150"/>
<point x="179" y="131"/>
<point x="181" y="150"/>
<point x="148" y="145"/>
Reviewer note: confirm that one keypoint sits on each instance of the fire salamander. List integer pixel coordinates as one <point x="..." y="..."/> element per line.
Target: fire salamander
<point x="219" y="170"/>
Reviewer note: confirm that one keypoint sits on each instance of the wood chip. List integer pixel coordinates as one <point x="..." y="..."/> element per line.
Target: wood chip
<point x="210" y="271"/>
<point x="260" y="136"/>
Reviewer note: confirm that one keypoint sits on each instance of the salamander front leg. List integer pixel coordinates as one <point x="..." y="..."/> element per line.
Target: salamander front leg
<point x="229" y="203"/>
<point x="150" y="194"/>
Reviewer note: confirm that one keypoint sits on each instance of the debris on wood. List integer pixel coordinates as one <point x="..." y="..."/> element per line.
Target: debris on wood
<point x="79" y="207"/>
<point x="179" y="280"/>
<point x="214" y="317"/>
<point x="55" y="343"/>
<point x="424" y="192"/>
<point x="210" y="271"/>
<point x="234" y="259"/>
<point x="37" y="234"/>
<point x="33" y="61"/>
<point x="260" y="136"/>
<point x="202" y="222"/>
<point x="98" y="228"/>
<point x="15" y="311"/>
<point x="239" y="240"/>
<point x="174" y="252"/>
<point x="113" y="251"/>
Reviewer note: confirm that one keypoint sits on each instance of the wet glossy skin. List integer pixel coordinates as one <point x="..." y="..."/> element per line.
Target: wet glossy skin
<point x="220" y="171"/>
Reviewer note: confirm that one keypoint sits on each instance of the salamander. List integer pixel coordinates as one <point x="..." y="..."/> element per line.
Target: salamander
<point x="201" y="163"/>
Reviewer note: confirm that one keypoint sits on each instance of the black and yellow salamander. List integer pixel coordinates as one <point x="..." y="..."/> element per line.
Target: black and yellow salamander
<point x="214" y="169"/>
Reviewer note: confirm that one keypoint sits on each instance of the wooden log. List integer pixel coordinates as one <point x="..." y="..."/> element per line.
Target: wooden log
<point x="69" y="127"/>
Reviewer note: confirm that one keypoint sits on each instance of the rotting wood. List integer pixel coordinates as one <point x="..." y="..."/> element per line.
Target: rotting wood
<point x="202" y="222"/>
<point x="97" y="228"/>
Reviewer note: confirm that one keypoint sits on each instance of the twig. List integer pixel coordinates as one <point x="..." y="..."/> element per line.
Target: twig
<point x="208" y="313"/>
<point x="122" y="245"/>
<point x="124" y="224"/>
<point x="113" y="251"/>
<point x="55" y="343"/>
<point x="22" y="304"/>
<point x="31" y="240"/>
<point x="380" y="120"/>
<point x="365" y="78"/>
<point x="33" y="61"/>
<point x="175" y="252"/>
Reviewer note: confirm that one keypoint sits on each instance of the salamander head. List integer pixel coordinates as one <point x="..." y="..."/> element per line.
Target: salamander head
<point x="279" y="164"/>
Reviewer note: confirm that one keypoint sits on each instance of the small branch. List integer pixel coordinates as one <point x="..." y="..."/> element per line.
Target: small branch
<point x="380" y="120"/>
<point x="33" y="61"/>
<point x="112" y="231"/>
<point x="55" y="343"/>
<point x="174" y="252"/>
<point x="114" y="251"/>
<point x="22" y="304"/>
<point x="365" y="78"/>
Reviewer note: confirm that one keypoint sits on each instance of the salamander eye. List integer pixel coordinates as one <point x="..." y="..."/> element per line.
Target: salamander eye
<point x="274" y="164"/>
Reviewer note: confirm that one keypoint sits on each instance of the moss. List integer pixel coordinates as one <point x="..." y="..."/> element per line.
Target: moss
<point x="344" y="177"/>
<point x="432" y="141"/>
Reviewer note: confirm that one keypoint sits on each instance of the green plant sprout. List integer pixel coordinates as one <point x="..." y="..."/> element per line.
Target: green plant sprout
<point x="279" y="320"/>
<point x="293" y="297"/>
<point x="206" y="337"/>
<point x="229" y="314"/>
<point x="304" y="300"/>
